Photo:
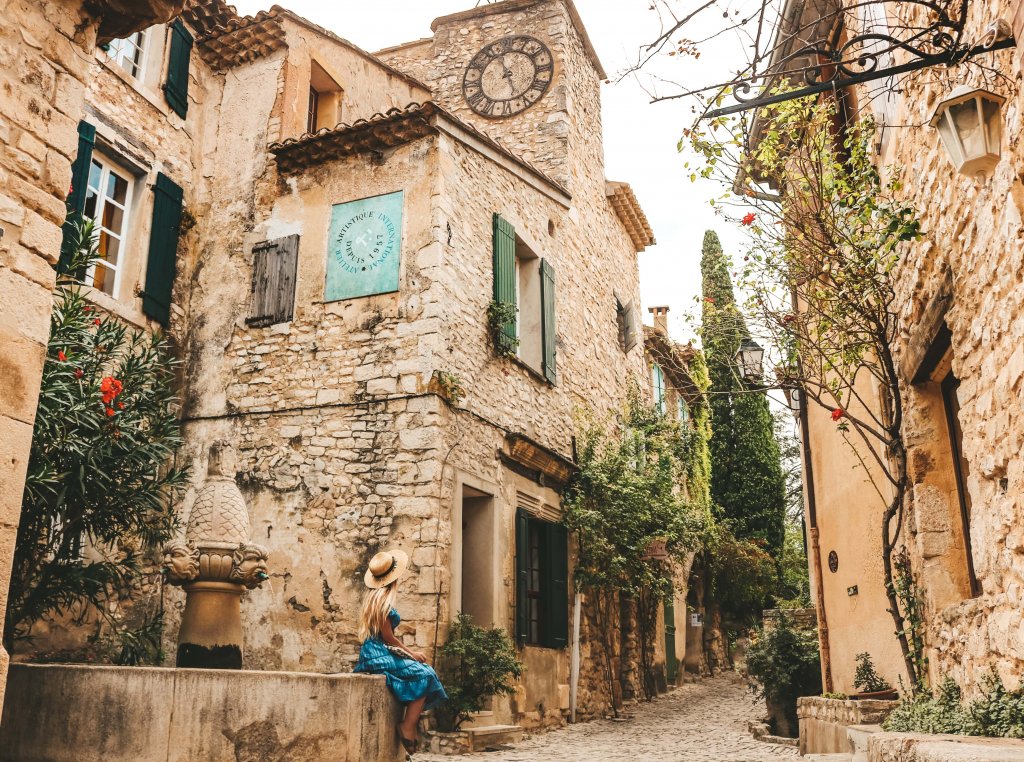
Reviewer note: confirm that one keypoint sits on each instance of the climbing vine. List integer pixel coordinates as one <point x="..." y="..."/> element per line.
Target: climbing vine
<point x="627" y="494"/>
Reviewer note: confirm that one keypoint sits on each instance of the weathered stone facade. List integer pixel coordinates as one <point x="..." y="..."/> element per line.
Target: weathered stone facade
<point x="350" y="434"/>
<point x="961" y="320"/>
<point x="47" y="47"/>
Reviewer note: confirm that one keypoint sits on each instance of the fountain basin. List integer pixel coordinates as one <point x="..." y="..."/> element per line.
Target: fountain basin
<point x="58" y="712"/>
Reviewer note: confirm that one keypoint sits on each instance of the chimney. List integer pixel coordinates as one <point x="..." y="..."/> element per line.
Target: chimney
<point x="660" y="318"/>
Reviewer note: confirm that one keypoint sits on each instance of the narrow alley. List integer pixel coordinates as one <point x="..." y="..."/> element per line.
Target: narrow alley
<point x="704" y="721"/>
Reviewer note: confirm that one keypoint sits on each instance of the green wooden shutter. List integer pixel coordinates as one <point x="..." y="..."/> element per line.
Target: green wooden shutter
<point x="505" y="276"/>
<point x="522" y="574"/>
<point x="176" y="86"/>
<point x="163" y="249"/>
<point x="548" y="331"/>
<point x="76" y="196"/>
<point x="556" y="598"/>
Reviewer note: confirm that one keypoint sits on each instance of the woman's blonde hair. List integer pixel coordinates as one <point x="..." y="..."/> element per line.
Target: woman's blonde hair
<point x="376" y="607"/>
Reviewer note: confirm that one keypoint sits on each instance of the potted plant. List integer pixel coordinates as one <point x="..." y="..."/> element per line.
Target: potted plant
<point x="872" y="685"/>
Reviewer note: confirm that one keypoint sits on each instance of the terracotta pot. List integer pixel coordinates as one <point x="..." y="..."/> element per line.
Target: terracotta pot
<point x="886" y="695"/>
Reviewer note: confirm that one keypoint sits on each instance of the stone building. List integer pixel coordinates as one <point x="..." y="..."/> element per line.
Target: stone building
<point x="961" y="361"/>
<point x="394" y="279"/>
<point x="48" y="48"/>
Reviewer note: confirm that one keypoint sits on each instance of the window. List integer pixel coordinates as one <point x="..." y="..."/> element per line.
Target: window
<point x="128" y="52"/>
<point x="625" y="318"/>
<point x="311" y="111"/>
<point x="658" y="387"/>
<point x="951" y="400"/>
<point x="682" y="409"/>
<point x="542" y="582"/>
<point x="273" y="281"/>
<point x="527" y="282"/>
<point x="107" y="201"/>
<point x="325" y="97"/>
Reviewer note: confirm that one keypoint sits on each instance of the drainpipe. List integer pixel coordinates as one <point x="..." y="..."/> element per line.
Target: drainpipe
<point x="815" y="549"/>
<point x="574" y="658"/>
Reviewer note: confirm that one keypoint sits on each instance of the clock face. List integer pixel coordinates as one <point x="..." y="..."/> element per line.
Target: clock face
<point x="508" y="76"/>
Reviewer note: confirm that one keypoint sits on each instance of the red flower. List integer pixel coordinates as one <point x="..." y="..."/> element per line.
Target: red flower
<point x="61" y="356"/>
<point x="96" y="321"/>
<point x="120" y="406"/>
<point x="110" y="412"/>
<point x="79" y="373"/>
<point x="838" y="413"/>
<point x="709" y="299"/>
<point x="87" y="309"/>
<point x="110" y="387"/>
<point x="787" y="319"/>
<point x="748" y="219"/>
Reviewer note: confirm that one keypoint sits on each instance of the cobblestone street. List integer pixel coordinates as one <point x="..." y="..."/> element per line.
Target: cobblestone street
<point x="704" y="721"/>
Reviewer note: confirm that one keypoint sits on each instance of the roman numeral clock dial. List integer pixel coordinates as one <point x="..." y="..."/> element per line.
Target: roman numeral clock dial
<point x="508" y="76"/>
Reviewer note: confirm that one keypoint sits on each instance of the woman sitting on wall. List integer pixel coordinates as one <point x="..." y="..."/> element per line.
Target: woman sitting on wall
<point x="412" y="681"/>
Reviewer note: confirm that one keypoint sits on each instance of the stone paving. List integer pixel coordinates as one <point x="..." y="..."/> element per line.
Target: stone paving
<point x="704" y="721"/>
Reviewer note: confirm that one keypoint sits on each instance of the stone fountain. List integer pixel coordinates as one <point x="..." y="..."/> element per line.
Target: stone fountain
<point x="215" y="562"/>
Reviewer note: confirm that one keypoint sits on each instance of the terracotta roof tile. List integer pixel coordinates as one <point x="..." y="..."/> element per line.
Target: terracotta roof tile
<point x="379" y="132"/>
<point x="624" y="202"/>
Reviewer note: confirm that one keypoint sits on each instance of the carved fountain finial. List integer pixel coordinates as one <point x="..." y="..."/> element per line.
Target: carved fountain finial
<point x="214" y="562"/>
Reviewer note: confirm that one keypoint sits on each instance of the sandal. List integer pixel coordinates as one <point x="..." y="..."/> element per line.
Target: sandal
<point x="411" y="745"/>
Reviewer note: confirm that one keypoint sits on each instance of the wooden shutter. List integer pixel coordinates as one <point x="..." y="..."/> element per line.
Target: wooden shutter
<point x="273" y="281"/>
<point x="505" y="275"/>
<point x="76" y="196"/>
<point x="556" y="599"/>
<point x="522" y="574"/>
<point x="549" y="333"/>
<point x="163" y="249"/>
<point x="176" y="86"/>
<point x="629" y="332"/>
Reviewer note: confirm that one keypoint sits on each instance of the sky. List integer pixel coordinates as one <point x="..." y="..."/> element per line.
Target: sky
<point x="640" y="138"/>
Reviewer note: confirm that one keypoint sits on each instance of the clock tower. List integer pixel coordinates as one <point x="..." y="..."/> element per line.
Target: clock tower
<point x="523" y="72"/>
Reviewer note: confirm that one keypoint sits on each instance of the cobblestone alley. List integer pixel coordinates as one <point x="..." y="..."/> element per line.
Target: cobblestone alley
<point x="704" y="721"/>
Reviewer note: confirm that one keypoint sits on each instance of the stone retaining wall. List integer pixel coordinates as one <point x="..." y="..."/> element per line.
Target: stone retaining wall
<point x="823" y="721"/>
<point x="138" y="714"/>
<point x="906" y="747"/>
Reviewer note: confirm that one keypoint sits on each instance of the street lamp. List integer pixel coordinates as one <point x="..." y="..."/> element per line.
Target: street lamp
<point x="750" y="359"/>
<point x="971" y="127"/>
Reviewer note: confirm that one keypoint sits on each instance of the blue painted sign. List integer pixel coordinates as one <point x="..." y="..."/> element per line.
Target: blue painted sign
<point x="364" y="247"/>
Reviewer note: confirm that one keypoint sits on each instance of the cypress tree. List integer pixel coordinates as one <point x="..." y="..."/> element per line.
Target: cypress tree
<point x="747" y="483"/>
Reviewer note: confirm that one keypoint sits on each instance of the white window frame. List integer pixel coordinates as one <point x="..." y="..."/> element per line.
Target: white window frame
<point x="118" y="54"/>
<point x="108" y="167"/>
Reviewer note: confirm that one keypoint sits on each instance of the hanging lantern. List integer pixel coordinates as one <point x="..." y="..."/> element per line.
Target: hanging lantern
<point x="750" y="359"/>
<point x="970" y="123"/>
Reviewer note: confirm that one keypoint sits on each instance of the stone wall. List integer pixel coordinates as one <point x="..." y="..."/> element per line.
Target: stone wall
<point x="824" y="721"/>
<point x="972" y="254"/>
<point x="126" y="714"/>
<point x="903" y="747"/>
<point x="46" y="57"/>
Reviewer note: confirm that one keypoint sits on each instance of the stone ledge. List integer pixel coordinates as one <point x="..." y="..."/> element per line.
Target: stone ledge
<point x="129" y="714"/>
<point x="915" y="747"/>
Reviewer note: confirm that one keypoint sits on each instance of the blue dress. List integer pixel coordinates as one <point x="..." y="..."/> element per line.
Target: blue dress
<point x="408" y="679"/>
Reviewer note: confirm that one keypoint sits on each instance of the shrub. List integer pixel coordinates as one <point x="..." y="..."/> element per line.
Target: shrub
<point x="942" y="713"/>
<point x="784" y="663"/>
<point x="100" y="478"/>
<point x="866" y="678"/>
<point x="475" y="664"/>
<point x="998" y="712"/>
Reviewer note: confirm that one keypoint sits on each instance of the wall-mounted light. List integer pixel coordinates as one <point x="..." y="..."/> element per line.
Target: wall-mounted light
<point x="970" y="123"/>
<point x="750" y="359"/>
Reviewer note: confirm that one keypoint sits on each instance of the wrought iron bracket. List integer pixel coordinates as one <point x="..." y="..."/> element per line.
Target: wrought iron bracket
<point x="922" y="61"/>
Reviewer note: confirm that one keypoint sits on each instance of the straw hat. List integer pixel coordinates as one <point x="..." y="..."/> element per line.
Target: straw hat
<point x="385" y="568"/>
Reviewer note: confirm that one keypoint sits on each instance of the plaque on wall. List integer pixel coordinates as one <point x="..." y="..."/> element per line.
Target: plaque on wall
<point x="364" y="247"/>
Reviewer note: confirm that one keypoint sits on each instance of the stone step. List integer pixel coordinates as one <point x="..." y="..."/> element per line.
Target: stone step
<point x="828" y="758"/>
<point x="494" y="736"/>
<point x="857" y="736"/>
